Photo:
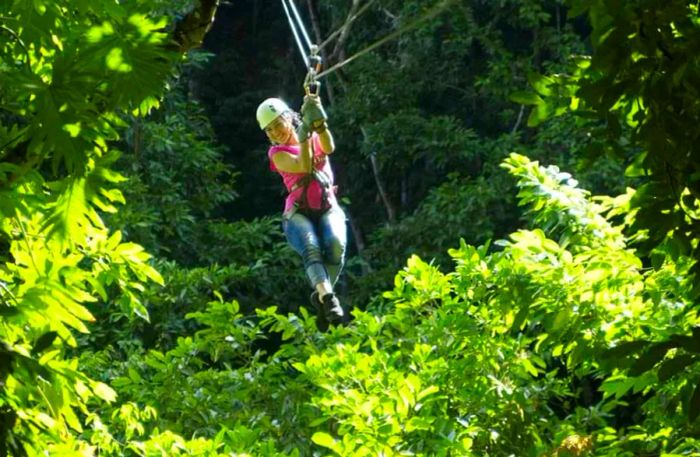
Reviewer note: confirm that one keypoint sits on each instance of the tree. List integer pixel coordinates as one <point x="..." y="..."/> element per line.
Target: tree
<point x="489" y="358"/>
<point x="637" y="96"/>
<point x="69" y="69"/>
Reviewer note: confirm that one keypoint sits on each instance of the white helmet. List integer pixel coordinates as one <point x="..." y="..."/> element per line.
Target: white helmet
<point x="269" y="110"/>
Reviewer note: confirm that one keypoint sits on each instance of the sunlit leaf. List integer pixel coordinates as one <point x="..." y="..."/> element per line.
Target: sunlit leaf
<point x="525" y="98"/>
<point x="324" y="439"/>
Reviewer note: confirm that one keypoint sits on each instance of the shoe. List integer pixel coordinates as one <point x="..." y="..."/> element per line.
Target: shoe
<point x="321" y="321"/>
<point x="315" y="302"/>
<point x="331" y="309"/>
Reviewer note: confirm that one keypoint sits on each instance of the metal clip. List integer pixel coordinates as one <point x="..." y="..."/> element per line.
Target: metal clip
<point x="311" y="84"/>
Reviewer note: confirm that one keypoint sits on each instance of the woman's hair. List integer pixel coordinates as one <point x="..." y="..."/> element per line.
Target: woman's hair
<point x="295" y="118"/>
<point x="292" y="116"/>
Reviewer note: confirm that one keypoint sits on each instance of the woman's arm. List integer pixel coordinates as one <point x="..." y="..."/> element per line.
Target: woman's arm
<point x="290" y="163"/>
<point x="326" y="140"/>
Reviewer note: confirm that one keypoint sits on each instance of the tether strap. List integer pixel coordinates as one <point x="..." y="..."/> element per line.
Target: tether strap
<point x="437" y="9"/>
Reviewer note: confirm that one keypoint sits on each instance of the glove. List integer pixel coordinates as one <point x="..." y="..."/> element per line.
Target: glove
<point x="303" y="131"/>
<point x="313" y="114"/>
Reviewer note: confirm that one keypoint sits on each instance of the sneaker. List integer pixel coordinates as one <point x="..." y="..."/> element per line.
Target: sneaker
<point x="321" y="321"/>
<point x="315" y="302"/>
<point x="332" y="309"/>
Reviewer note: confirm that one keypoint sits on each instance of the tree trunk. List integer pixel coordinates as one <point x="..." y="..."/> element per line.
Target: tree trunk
<point x="359" y="243"/>
<point x="404" y="192"/>
<point x="390" y="212"/>
<point x="518" y="120"/>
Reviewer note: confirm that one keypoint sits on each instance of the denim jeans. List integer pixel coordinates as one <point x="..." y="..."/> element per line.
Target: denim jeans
<point x="320" y="239"/>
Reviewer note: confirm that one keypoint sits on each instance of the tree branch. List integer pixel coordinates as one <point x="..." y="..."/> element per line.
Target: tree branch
<point x="519" y="120"/>
<point x="339" y="48"/>
<point x="390" y="212"/>
<point x="190" y="31"/>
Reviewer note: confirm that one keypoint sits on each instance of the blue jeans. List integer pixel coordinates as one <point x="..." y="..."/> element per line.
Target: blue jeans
<point x="320" y="240"/>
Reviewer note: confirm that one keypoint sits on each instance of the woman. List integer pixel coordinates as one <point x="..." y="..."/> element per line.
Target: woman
<point x="313" y="222"/>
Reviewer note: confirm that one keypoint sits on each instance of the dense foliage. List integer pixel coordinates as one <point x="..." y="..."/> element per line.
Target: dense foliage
<point x="150" y="306"/>
<point x="637" y="95"/>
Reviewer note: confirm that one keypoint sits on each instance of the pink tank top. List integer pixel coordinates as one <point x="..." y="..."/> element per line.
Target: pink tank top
<point x="314" y="193"/>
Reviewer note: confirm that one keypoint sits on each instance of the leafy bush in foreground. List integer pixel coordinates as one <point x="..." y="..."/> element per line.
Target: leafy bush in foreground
<point x="509" y="354"/>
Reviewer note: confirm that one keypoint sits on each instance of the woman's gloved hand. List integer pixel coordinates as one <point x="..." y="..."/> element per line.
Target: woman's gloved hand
<point x="303" y="131"/>
<point x="313" y="114"/>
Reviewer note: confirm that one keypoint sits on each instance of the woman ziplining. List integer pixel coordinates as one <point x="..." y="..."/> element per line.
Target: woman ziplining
<point x="313" y="222"/>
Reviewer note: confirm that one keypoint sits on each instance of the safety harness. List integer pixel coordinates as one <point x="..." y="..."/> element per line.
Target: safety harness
<point x="324" y="181"/>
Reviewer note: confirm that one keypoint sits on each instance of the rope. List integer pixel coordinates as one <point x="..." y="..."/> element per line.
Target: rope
<point x="296" y="33"/>
<point x="437" y="9"/>
<point x="347" y="23"/>
<point x="434" y="11"/>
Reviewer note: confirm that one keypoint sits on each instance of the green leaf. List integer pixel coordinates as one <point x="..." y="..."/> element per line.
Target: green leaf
<point x="43" y="342"/>
<point x="40" y="6"/>
<point x="689" y="343"/>
<point x="617" y="385"/>
<point x="625" y="349"/>
<point x="105" y="392"/>
<point x="540" y="83"/>
<point x="672" y="367"/>
<point x="8" y="311"/>
<point x="651" y="357"/>
<point x="539" y="114"/>
<point x="115" y="61"/>
<point x="71" y="216"/>
<point x="637" y="168"/>
<point x="525" y="98"/>
<point x="530" y="367"/>
<point x="427" y="391"/>
<point x="694" y="406"/>
<point x="519" y="319"/>
<point x="577" y="8"/>
<point x="71" y="419"/>
<point x="318" y="421"/>
<point x="325" y="440"/>
<point x="696" y="335"/>
<point x="60" y="314"/>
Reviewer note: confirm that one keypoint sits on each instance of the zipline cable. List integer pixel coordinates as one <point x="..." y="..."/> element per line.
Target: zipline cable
<point x="437" y="9"/>
<point x="296" y="33"/>
<point x="312" y="60"/>
<point x="301" y="23"/>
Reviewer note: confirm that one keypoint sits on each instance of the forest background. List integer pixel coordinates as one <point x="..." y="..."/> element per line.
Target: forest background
<point x="150" y="305"/>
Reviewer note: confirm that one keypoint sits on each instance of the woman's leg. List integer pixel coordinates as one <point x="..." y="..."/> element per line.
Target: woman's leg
<point x="301" y="235"/>
<point x="333" y="231"/>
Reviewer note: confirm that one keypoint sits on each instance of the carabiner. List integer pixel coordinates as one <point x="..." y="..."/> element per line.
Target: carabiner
<point x="311" y="85"/>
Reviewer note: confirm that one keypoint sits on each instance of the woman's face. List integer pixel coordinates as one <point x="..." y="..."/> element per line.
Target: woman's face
<point x="280" y="130"/>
